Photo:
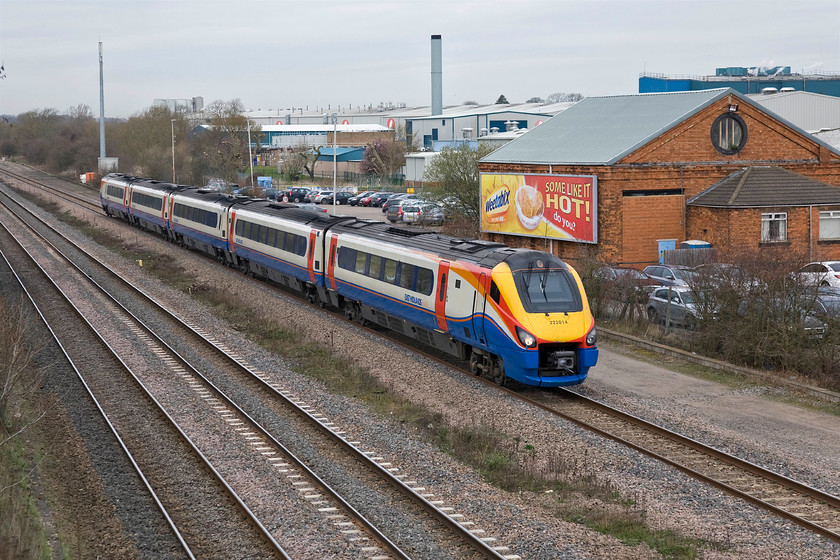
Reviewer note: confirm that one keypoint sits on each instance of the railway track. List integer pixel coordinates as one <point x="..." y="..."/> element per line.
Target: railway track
<point x="174" y="472"/>
<point x="18" y="180"/>
<point x="800" y="503"/>
<point x="460" y="538"/>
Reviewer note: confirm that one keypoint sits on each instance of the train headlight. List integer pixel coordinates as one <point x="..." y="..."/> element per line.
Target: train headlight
<point x="526" y="338"/>
<point x="592" y="337"/>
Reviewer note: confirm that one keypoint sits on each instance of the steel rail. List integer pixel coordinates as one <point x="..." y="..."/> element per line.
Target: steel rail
<point x="465" y="534"/>
<point x="241" y="504"/>
<point x="96" y="403"/>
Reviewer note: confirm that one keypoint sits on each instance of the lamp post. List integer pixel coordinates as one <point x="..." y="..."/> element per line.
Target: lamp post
<point x="335" y="161"/>
<point x="250" y="156"/>
<point x="173" y="150"/>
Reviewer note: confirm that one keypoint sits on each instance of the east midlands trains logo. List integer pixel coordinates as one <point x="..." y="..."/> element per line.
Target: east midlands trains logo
<point x="497" y="205"/>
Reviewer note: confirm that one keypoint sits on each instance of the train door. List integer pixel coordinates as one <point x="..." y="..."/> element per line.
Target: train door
<point x="310" y="255"/>
<point x="440" y="298"/>
<point x="331" y="262"/>
<point x="479" y="307"/>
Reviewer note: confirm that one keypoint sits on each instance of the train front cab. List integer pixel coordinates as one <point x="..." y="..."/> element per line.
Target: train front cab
<point x="543" y="298"/>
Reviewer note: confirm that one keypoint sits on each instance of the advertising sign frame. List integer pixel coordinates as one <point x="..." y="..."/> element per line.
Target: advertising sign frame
<point x="542" y="205"/>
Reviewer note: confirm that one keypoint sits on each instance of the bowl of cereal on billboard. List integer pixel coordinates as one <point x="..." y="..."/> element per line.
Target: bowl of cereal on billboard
<point x="529" y="206"/>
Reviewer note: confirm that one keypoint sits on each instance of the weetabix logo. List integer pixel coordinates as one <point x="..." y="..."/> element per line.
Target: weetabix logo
<point x="497" y="205"/>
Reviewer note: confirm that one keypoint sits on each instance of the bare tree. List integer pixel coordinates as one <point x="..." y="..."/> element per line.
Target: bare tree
<point x="222" y="143"/>
<point x="384" y="158"/>
<point x="560" y="97"/>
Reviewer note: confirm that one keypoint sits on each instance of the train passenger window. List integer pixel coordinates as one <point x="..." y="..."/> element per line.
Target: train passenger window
<point x="494" y="292"/>
<point x="390" y="271"/>
<point x="244" y="229"/>
<point x="301" y="245"/>
<point x="425" y="280"/>
<point x="361" y="262"/>
<point x="264" y="232"/>
<point x="442" y="290"/>
<point x="375" y="267"/>
<point x="406" y="275"/>
<point x="212" y="219"/>
<point x="289" y="243"/>
<point x="346" y="258"/>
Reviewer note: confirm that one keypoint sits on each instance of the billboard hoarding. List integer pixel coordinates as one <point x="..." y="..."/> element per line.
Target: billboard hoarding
<point x="540" y="205"/>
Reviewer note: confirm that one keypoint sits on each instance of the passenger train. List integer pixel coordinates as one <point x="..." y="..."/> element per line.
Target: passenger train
<point x="512" y="313"/>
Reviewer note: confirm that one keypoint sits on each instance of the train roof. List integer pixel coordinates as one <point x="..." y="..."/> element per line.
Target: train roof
<point x="292" y="212"/>
<point x="483" y="253"/>
<point x="154" y="184"/>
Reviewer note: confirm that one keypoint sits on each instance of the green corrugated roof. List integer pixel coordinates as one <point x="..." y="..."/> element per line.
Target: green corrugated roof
<point x="602" y="130"/>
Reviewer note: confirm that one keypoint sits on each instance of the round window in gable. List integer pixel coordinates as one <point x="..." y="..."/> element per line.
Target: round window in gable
<point x="729" y="134"/>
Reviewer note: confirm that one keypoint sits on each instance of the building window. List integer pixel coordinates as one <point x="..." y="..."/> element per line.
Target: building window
<point x="830" y="225"/>
<point x="729" y="134"/>
<point x="774" y="227"/>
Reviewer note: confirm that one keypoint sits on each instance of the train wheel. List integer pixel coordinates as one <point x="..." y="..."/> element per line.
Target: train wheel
<point x="311" y="296"/>
<point x="475" y="369"/>
<point x="497" y="372"/>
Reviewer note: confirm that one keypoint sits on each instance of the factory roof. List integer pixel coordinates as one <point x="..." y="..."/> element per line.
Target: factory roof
<point x="603" y="130"/>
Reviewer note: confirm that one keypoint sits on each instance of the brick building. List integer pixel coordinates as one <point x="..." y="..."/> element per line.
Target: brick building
<point x="649" y="158"/>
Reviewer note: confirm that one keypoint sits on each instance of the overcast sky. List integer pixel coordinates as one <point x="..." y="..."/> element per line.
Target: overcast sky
<point x="284" y="53"/>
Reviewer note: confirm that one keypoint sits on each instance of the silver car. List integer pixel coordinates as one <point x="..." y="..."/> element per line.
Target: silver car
<point x="675" y="305"/>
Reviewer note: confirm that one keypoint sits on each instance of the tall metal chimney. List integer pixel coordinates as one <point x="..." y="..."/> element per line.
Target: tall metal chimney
<point x="437" y="83"/>
<point x="101" y="107"/>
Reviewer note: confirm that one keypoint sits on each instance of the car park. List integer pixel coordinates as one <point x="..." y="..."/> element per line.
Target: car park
<point x="670" y="275"/>
<point x="424" y="214"/>
<point x="354" y="200"/>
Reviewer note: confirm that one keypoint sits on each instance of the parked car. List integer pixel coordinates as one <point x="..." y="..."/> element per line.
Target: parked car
<point x="619" y="276"/>
<point x="425" y="214"/>
<point x="677" y="305"/>
<point x="341" y="197"/>
<point x="297" y="194"/>
<point x="379" y="198"/>
<point x="728" y="276"/>
<point x="824" y="273"/>
<point x="670" y="274"/>
<point x="797" y="310"/>
<point x="354" y="200"/>
<point x="315" y="197"/>
<point x="395" y="209"/>
<point x="397" y="198"/>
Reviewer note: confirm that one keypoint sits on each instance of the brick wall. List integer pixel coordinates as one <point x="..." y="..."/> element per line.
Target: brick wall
<point x="684" y="158"/>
